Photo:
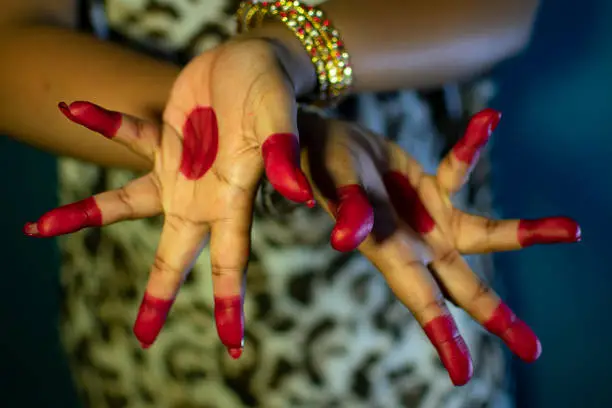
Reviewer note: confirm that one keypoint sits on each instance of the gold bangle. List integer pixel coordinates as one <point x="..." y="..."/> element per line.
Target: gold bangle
<point x="320" y="39"/>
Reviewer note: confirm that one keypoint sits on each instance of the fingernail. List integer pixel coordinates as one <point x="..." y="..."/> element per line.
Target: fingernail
<point x="93" y="117"/>
<point x="30" y="229"/>
<point x="235" y="353"/>
<point x="453" y="352"/>
<point x="519" y="338"/>
<point x="551" y="230"/>
<point x="151" y="317"/>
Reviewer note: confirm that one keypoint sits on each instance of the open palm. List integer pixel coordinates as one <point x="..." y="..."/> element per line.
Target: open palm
<point x="231" y="114"/>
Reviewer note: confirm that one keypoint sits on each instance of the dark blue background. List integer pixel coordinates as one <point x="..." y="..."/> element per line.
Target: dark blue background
<point x="552" y="155"/>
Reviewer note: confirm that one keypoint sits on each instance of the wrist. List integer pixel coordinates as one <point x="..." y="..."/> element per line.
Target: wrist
<point x="290" y="54"/>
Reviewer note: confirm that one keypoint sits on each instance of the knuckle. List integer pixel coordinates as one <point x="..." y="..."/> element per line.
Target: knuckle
<point x="218" y="270"/>
<point x="162" y="268"/>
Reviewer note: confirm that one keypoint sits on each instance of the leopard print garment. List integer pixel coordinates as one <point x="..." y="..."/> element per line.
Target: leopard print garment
<point x="323" y="329"/>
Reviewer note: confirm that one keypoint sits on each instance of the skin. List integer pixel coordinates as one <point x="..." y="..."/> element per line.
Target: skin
<point x="416" y="237"/>
<point x="257" y="131"/>
<point x="45" y="61"/>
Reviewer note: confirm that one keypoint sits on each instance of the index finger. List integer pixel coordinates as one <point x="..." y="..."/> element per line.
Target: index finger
<point x="180" y="244"/>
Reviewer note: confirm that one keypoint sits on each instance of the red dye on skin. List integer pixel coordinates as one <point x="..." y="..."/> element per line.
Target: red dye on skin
<point x="407" y="203"/>
<point x="66" y="219"/>
<point x="93" y="117"/>
<point x="453" y="352"/>
<point x="549" y="230"/>
<point x="281" y="155"/>
<point x="200" y="143"/>
<point x="151" y="317"/>
<point x="354" y="218"/>
<point x="515" y="333"/>
<point x="229" y="321"/>
<point x="477" y="135"/>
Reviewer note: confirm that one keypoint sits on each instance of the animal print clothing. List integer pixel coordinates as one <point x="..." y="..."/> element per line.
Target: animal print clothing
<point x="323" y="329"/>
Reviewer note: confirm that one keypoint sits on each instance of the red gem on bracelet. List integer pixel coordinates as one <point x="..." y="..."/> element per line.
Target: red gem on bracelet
<point x="278" y="4"/>
<point x="326" y="23"/>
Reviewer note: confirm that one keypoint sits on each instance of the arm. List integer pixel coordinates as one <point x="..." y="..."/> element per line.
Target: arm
<point x="44" y="62"/>
<point x="399" y="44"/>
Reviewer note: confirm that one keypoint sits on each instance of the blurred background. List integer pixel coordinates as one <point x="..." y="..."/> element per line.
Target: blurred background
<point x="551" y="156"/>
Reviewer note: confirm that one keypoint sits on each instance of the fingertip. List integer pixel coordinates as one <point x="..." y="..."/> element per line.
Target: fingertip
<point x="280" y="153"/>
<point x="517" y="335"/>
<point x="491" y="116"/>
<point x="453" y="352"/>
<point x="235" y="353"/>
<point x="354" y="218"/>
<point x="550" y="230"/>
<point x="31" y="229"/>
<point x="229" y="321"/>
<point x="65" y="109"/>
<point x="93" y="117"/>
<point x="151" y="317"/>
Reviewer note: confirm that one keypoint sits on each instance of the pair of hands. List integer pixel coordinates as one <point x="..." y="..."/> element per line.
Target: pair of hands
<point x="231" y="116"/>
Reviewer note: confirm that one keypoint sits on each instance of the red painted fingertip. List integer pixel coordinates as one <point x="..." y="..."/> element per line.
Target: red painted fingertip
<point x="551" y="230"/>
<point x="476" y="135"/>
<point x="93" y="117"/>
<point x="519" y="338"/>
<point x="281" y="155"/>
<point x="354" y="218"/>
<point x="235" y="353"/>
<point x="151" y="318"/>
<point x="229" y="320"/>
<point x="31" y="229"/>
<point x="453" y="352"/>
<point x="66" y="219"/>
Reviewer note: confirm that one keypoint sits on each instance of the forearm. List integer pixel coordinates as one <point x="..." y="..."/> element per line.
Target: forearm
<point x="43" y="66"/>
<point x="416" y="44"/>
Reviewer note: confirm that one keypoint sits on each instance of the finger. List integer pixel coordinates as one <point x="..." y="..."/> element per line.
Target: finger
<point x="332" y="168"/>
<point x="483" y="304"/>
<point x="180" y="244"/>
<point x="139" y="135"/>
<point x="137" y="199"/>
<point x="229" y="254"/>
<point x="475" y="234"/>
<point x="455" y="168"/>
<point x="278" y="134"/>
<point x="411" y="282"/>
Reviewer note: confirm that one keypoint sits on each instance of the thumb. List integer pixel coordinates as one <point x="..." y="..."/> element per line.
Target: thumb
<point x="276" y="129"/>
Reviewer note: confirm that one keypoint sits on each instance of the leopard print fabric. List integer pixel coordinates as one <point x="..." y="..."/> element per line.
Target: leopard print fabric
<point x="323" y="329"/>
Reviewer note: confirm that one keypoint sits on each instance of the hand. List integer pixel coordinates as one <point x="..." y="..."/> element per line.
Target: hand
<point x="230" y="115"/>
<point x="417" y="236"/>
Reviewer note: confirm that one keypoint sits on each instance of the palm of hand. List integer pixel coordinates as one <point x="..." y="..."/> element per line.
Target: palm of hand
<point x="219" y="121"/>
